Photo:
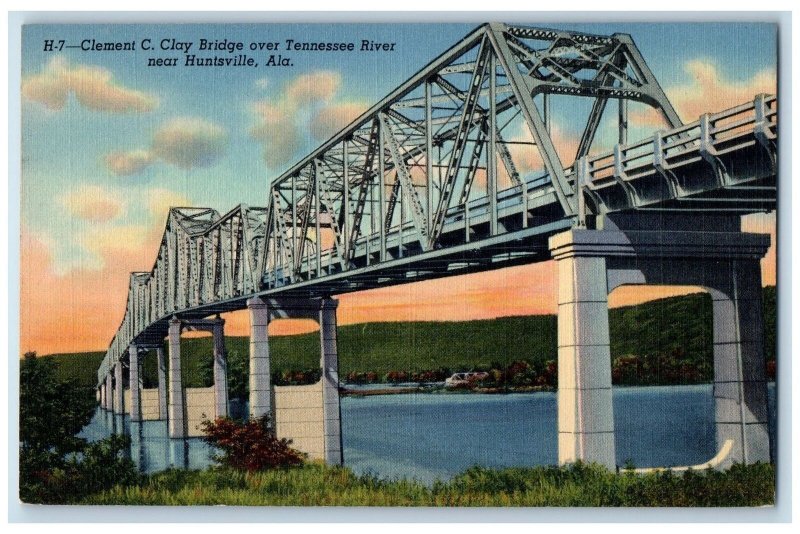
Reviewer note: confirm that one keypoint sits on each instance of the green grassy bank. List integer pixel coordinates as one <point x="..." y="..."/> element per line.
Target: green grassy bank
<point x="579" y="485"/>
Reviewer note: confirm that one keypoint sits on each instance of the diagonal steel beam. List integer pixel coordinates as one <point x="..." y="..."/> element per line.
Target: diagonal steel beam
<point x="532" y="117"/>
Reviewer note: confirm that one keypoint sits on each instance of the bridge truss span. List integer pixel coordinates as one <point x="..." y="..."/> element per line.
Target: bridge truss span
<point x="464" y="168"/>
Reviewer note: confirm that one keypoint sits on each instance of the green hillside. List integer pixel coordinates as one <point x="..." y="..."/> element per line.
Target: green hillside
<point x="677" y="326"/>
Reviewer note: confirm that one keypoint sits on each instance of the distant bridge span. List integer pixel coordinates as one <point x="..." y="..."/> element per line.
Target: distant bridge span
<point x="458" y="171"/>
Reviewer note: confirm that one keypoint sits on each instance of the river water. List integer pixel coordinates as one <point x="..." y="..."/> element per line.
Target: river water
<point x="436" y="435"/>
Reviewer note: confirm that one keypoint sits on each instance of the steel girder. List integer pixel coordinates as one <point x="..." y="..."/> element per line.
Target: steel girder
<point x="429" y="181"/>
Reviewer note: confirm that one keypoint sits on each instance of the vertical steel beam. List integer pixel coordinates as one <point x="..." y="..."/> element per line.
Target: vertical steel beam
<point x="317" y="233"/>
<point x="491" y="154"/>
<point x="622" y="121"/>
<point x="294" y="222"/>
<point x="546" y="112"/>
<point x="346" y="200"/>
<point x="428" y="152"/>
<point x="381" y="189"/>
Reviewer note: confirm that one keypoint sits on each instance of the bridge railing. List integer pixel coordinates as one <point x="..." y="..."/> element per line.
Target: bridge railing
<point x="609" y="179"/>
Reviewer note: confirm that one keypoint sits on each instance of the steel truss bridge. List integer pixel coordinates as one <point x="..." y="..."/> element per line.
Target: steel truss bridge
<point x="458" y="170"/>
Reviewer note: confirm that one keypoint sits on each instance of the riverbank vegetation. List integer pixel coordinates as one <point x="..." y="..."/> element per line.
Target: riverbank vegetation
<point x="56" y="466"/>
<point x="577" y="485"/>
<point x="663" y="342"/>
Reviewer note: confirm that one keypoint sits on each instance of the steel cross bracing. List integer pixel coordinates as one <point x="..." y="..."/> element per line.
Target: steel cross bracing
<point x="436" y="179"/>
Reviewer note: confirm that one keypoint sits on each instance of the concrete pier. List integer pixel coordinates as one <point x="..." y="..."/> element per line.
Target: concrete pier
<point x="177" y="417"/>
<point x="135" y="383"/>
<point x="740" y="381"/>
<point x="585" y="410"/>
<point x="260" y="379"/>
<point x="109" y="392"/>
<point x="220" y="369"/>
<point x="161" y="366"/>
<point x="329" y="362"/>
<point x="711" y="253"/>
<point x="119" y="390"/>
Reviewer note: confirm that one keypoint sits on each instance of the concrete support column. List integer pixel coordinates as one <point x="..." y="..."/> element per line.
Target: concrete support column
<point x="260" y="380"/>
<point x="585" y="408"/>
<point x="177" y="419"/>
<point x="108" y="389"/>
<point x="103" y="395"/>
<point x="740" y="382"/>
<point x="220" y="369"/>
<point x="134" y="382"/>
<point x="119" y="398"/>
<point x="162" y="383"/>
<point x="329" y="362"/>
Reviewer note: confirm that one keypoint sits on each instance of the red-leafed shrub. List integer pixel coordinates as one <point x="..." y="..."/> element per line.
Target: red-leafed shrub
<point x="249" y="445"/>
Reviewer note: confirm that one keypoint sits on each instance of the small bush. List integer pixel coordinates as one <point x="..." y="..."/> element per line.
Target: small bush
<point x="250" y="445"/>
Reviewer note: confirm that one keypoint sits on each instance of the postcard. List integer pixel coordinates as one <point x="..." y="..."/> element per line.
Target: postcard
<point x="491" y="264"/>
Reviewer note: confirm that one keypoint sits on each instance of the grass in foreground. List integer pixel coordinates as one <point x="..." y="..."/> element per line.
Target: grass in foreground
<point x="578" y="485"/>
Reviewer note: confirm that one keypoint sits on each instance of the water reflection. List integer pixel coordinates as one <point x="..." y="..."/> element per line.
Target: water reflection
<point x="426" y="436"/>
<point x="151" y="450"/>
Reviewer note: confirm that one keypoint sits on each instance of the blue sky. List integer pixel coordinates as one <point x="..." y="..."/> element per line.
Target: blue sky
<point x="81" y="209"/>
<point x="64" y="148"/>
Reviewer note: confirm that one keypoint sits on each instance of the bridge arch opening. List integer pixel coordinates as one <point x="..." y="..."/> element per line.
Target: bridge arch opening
<point x="294" y="351"/>
<point x="661" y="339"/>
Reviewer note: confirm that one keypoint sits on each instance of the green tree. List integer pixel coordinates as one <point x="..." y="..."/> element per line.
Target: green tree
<point x="56" y="466"/>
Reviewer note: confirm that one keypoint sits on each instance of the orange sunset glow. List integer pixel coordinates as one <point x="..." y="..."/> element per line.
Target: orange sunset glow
<point x="81" y="311"/>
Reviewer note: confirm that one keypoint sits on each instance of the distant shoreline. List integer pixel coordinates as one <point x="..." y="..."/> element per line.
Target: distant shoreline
<point x="344" y="391"/>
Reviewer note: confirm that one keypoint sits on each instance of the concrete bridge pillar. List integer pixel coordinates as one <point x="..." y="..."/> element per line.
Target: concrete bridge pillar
<point x="329" y="362"/>
<point x="585" y="409"/>
<point x="161" y="365"/>
<point x="135" y="383"/>
<point x="706" y="251"/>
<point x="108" y="390"/>
<point x="260" y="386"/>
<point x="220" y="369"/>
<point x="119" y="398"/>
<point x="177" y="418"/>
<point x="740" y="379"/>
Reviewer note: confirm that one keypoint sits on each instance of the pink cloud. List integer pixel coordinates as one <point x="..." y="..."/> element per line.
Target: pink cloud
<point x="93" y="203"/>
<point x="93" y="87"/>
<point x="128" y="163"/>
<point x="708" y="91"/>
<point x="313" y="87"/>
<point x="330" y="119"/>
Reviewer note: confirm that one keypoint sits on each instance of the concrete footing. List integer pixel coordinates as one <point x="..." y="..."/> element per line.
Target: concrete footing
<point x="714" y="255"/>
